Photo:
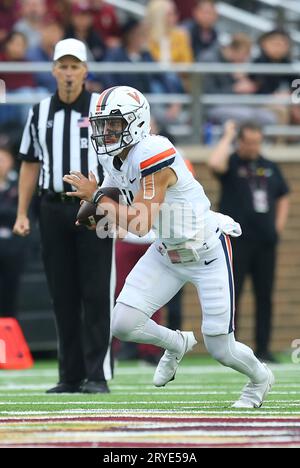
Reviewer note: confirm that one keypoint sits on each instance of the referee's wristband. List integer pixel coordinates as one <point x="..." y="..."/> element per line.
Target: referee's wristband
<point x="98" y="194"/>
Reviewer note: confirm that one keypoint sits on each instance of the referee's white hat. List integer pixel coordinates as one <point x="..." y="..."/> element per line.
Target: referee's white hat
<point x="70" y="47"/>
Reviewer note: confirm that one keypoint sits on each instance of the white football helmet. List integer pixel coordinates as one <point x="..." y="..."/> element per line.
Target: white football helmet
<point x="121" y="119"/>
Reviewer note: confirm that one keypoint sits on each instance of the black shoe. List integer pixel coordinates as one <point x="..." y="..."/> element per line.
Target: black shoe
<point x="65" y="388"/>
<point x="267" y="357"/>
<point x="94" y="387"/>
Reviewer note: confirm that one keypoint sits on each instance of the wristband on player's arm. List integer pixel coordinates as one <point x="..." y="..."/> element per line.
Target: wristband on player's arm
<point x="97" y="195"/>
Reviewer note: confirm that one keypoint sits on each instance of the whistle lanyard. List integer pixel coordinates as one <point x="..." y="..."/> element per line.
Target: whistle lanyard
<point x="257" y="177"/>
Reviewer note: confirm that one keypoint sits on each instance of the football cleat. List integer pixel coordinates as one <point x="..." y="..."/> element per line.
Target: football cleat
<point x="253" y="395"/>
<point x="168" y="364"/>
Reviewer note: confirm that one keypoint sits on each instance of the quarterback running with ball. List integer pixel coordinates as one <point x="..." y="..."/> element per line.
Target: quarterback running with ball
<point x="192" y="243"/>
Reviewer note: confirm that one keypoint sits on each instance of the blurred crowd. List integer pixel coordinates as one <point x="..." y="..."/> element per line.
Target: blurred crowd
<point x="171" y="31"/>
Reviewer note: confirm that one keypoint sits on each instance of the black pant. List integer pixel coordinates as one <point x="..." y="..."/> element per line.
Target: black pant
<point x="78" y="266"/>
<point x="11" y="267"/>
<point x="259" y="260"/>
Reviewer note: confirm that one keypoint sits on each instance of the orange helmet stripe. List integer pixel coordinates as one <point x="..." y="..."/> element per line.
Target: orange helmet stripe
<point x="103" y="98"/>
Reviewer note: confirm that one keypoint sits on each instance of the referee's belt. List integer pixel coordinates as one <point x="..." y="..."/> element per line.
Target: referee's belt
<point x="58" y="197"/>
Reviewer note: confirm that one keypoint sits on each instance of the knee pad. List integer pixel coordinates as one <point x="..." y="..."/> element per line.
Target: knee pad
<point x="218" y="347"/>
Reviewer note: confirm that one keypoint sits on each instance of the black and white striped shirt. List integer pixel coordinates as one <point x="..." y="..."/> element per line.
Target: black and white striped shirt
<point x="57" y="135"/>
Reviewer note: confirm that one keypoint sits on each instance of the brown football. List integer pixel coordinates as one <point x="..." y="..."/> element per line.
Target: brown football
<point x="87" y="214"/>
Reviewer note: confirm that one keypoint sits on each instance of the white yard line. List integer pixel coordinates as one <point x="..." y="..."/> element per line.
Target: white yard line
<point x="139" y="416"/>
<point x="172" y="388"/>
<point x="154" y="424"/>
<point x="153" y="394"/>
<point x="143" y="370"/>
<point x="87" y="436"/>
<point x="122" y="403"/>
<point x="25" y="387"/>
<point x="261" y="413"/>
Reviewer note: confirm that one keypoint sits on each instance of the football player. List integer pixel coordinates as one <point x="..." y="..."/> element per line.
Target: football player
<point x="192" y="242"/>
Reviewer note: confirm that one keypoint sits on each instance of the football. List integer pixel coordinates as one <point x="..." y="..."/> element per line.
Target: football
<point x="87" y="214"/>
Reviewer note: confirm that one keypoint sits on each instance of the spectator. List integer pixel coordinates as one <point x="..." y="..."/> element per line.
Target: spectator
<point x="275" y="49"/>
<point x="255" y="193"/>
<point x="21" y="84"/>
<point x="7" y="18"/>
<point x="81" y="28"/>
<point x="15" y="49"/>
<point x="168" y="42"/>
<point x="202" y="29"/>
<point x="33" y="14"/>
<point x="106" y="22"/>
<point x="12" y="248"/>
<point x="185" y="9"/>
<point x="59" y="10"/>
<point x="134" y="50"/>
<point x="52" y="33"/>
<point x="237" y="51"/>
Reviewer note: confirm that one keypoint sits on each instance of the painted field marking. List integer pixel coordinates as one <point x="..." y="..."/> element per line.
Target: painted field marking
<point x="143" y="370"/>
<point x="183" y="411"/>
<point x="141" y="402"/>
<point x="171" y="389"/>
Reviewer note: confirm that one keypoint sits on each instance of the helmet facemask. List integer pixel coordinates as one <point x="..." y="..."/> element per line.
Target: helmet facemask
<point x="111" y="133"/>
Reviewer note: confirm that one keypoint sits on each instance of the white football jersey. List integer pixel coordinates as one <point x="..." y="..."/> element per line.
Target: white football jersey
<point x="185" y="214"/>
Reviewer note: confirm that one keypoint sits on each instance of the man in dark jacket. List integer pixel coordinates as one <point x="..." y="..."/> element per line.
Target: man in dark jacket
<point x="255" y="194"/>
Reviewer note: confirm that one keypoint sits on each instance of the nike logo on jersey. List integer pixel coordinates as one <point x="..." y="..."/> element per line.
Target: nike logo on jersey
<point x="208" y="263"/>
<point x="131" y="181"/>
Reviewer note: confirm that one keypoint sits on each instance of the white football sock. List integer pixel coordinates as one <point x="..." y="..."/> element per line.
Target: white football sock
<point x="129" y="324"/>
<point x="236" y="355"/>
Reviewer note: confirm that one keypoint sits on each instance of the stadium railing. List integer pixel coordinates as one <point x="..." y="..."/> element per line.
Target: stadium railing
<point x="196" y="100"/>
<point x="289" y="5"/>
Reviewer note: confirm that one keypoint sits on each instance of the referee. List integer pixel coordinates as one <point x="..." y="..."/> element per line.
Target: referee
<point x="79" y="266"/>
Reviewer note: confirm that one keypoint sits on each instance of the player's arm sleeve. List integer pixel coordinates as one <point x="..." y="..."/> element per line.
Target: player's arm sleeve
<point x="153" y="161"/>
<point x="30" y="150"/>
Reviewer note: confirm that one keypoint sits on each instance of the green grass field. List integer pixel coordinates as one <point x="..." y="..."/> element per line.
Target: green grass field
<point x="193" y="411"/>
